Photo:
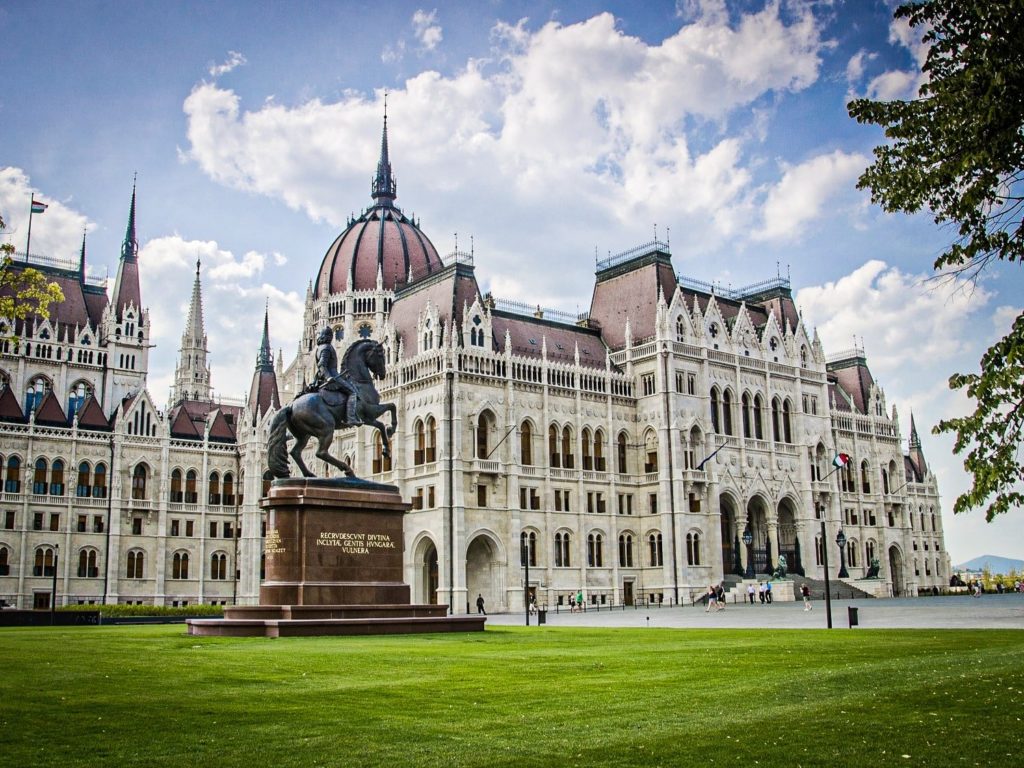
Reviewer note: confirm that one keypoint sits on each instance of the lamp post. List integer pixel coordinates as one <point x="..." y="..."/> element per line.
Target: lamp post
<point x="841" y="542"/>
<point x="524" y="553"/>
<point x="53" y="587"/>
<point x="748" y="539"/>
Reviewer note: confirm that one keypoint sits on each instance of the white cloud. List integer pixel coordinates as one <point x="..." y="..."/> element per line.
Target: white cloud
<point x="582" y="112"/>
<point x="234" y="298"/>
<point x="234" y="60"/>
<point x="804" y="190"/>
<point x="56" y="233"/>
<point x="426" y="29"/>
<point x="908" y="318"/>
<point x="899" y="83"/>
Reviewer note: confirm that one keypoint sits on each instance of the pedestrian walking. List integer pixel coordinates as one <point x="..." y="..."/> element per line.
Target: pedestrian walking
<point x="712" y="598"/>
<point x="768" y="592"/>
<point x="751" y="591"/>
<point x="480" y="605"/>
<point x="805" y="591"/>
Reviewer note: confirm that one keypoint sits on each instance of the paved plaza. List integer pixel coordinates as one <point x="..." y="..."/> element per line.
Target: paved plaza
<point x="957" y="612"/>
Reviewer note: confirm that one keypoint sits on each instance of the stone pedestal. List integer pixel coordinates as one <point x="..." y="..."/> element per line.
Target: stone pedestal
<point x="334" y="566"/>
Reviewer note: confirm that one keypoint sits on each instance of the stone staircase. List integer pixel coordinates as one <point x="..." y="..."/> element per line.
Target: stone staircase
<point x="840" y="590"/>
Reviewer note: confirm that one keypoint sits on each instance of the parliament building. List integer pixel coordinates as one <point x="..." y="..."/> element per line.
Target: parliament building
<point x="677" y="434"/>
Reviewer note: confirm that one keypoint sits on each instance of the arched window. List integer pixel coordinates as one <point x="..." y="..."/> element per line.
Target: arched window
<point x="787" y="412"/>
<point x="776" y="420"/>
<point x="528" y="548"/>
<point x="79" y="391"/>
<point x="885" y="481"/>
<point x="82" y="486"/>
<point x="179" y="565"/>
<point x="39" y="477"/>
<point x="865" y="481"/>
<point x="745" y="408"/>
<point x="87" y="565"/>
<point x="35" y="392"/>
<point x="599" y="464"/>
<point x="191" y="490"/>
<point x="715" y="426"/>
<point x="43" y="561"/>
<point x="650" y="452"/>
<point x="693" y="548"/>
<point x="57" y="478"/>
<point x="595" y="555"/>
<point x="588" y="459"/>
<point x="213" y="493"/>
<point x="620" y="447"/>
<point x="758" y="417"/>
<point x="218" y="566"/>
<point x="817" y="550"/>
<point x="568" y="459"/>
<point x="526" y="444"/>
<point x="655" y="546"/>
<point x="5" y="565"/>
<point x="12" y="480"/>
<point x="419" y="450"/>
<point x="562" y="550"/>
<point x="139" y="477"/>
<point x="99" y="482"/>
<point x="625" y="550"/>
<point x="727" y="412"/>
<point x="482" y="429"/>
<point x="136" y="564"/>
<point x="851" y="553"/>
<point x="229" y="490"/>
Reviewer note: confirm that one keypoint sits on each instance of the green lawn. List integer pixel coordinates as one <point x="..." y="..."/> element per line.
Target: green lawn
<point x="152" y="696"/>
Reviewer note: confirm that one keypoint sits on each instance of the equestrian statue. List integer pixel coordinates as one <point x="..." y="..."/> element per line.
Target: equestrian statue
<point x="337" y="397"/>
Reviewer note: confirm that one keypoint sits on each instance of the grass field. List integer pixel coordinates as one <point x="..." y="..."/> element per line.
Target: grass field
<point x="152" y="696"/>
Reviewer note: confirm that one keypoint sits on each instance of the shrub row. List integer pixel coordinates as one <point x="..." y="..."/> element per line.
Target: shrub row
<point x="113" y="611"/>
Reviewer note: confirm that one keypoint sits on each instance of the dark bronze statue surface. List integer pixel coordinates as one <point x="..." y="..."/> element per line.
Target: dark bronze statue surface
<point x="338" y="397"/>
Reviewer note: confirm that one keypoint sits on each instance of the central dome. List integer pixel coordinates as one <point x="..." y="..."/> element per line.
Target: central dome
<point x="382" y="240"/>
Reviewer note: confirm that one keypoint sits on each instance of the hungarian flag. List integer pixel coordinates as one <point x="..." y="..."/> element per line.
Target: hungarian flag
<point x="841" y="459"/>
<point x="38" y="207"/>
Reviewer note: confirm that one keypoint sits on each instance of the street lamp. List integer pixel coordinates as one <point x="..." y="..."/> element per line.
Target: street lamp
<point x="53" y="587"/>
<point x="524" y="554"/>
<point x="841" y="542"/>
<point x="748" y="539"/>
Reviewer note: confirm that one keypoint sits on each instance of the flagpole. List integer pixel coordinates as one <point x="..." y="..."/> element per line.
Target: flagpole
<point x="28" y="242"/>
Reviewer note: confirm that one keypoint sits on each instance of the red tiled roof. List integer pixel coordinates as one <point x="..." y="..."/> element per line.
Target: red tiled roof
<point x="10" y="409"/>
<point x="188" y="420"/>
<point x="528" y="336"/>
<point x="50" y="412"/>
<point x="451" y="291"/>
<point x="631" y="293"/>
<point x="263" y="394"/>
<point x="855" y="378"/>
<point x="90" y="415"/>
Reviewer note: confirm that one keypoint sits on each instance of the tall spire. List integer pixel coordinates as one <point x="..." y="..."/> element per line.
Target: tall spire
<point x="81" y="260"/>
<point x="263" y="394"/>
<point x="915" y="441"/>
<point x="384" y="189"/>
<point x="265" y="359"/>
<point x="195" y="328"/>
<point x="192" y="374"/>
<point x="915" y="453"/>
<point x="130" y="246"/>
<point x="126" y="285"/>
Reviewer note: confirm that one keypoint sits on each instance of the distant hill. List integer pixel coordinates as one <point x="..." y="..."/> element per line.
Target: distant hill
<point x="993" y="563"/>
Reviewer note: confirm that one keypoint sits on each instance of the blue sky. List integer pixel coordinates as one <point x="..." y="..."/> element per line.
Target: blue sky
<point x="545" y="132"/>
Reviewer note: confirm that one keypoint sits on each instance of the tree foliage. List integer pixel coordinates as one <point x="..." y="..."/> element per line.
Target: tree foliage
<point x="957" y="151"/>
<point x="24" y="292"/>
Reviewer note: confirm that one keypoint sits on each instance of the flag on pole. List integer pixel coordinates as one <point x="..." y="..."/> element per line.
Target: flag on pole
<point x="38" y="207"/>
<point x="841" y="460"/>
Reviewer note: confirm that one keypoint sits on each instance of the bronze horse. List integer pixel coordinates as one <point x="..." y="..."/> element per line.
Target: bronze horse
<point x="319" y="414"/>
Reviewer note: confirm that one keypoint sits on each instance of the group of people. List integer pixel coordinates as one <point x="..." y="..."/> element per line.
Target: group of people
<point x="715" y="597"/>
<point x="576" y="602"/>
<point x="763" y="590"/>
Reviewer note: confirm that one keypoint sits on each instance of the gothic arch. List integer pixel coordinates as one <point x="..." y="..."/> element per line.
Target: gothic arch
<point x="485" y="571"/>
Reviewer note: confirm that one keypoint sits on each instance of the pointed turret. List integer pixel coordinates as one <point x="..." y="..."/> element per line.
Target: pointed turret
<point x="384" y="189"/>
<point x="192" y="375"/>
<point x="915" y="454"/>
<point x="263" y="394"/>
<point x="126" y="286"/>
<point x="81" y="261"/>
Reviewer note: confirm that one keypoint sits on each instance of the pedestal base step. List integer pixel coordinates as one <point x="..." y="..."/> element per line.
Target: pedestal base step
<point x="314" y="620"/>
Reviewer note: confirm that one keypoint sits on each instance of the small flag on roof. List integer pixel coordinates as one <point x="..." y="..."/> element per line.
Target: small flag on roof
<point x="841" y="459"/>
<point x="38" y="207"/>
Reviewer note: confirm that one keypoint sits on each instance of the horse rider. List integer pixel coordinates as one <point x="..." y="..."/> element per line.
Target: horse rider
<point x="327" y="376"/>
